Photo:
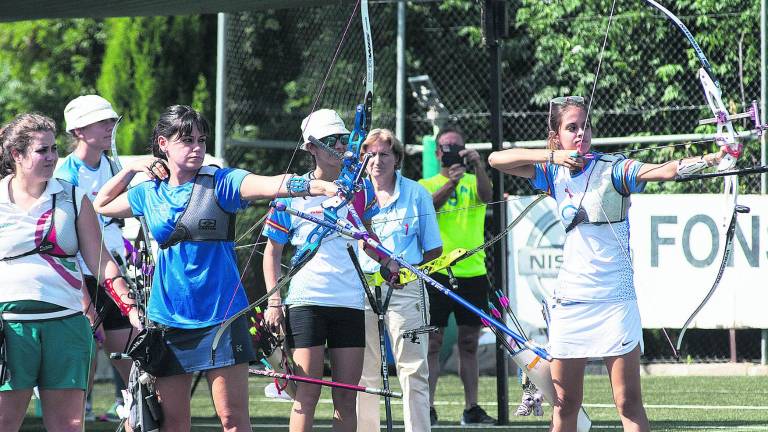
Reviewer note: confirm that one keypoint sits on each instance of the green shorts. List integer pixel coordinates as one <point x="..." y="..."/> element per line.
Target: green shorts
<point x="53" y="354"/>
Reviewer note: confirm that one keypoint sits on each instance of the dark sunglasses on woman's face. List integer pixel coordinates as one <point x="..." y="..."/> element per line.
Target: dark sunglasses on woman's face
<point x="331" y="140"/>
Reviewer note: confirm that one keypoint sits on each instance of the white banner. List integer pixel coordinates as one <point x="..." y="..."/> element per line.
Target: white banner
<point x="677" y="246"/>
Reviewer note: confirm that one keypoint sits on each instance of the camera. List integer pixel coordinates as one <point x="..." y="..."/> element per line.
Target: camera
<point x="451" y="155"/>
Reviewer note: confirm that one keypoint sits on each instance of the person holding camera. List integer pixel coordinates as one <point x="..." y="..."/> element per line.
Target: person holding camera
<point x="459" y="199"/>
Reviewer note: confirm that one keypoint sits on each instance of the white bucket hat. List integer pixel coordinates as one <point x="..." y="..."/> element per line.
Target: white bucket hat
<point x="320" y="124"/>
<point x="85" y="110"/>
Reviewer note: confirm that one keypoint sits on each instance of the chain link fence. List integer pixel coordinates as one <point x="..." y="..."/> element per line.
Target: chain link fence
<point x="280" y="66"/>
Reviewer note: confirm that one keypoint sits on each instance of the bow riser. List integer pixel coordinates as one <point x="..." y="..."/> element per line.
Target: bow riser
<point x="725" y="136"/>
<point x="349" y="182"/>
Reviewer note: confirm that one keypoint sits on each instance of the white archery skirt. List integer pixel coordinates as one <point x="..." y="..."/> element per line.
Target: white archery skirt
<point x="582" y="330"/>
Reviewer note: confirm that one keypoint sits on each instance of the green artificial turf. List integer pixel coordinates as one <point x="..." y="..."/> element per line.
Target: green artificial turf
<point x="673" y="404"/>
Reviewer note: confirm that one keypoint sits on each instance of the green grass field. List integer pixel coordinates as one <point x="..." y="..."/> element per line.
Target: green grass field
<point x="673" y="404"/>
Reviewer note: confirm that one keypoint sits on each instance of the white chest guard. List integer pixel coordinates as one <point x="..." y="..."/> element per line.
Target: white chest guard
<point x="601" y="203"/>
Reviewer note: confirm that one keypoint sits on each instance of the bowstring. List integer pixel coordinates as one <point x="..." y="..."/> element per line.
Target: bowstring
<point x="625" y="247"/>
<point x="315" y="103"/>
<point x="599" y="65"/>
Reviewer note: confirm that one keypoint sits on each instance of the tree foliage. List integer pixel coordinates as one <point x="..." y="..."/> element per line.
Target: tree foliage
<point x="44" y="64"/>
<point x="141" y="65"/>
<point x="151" y="63"/>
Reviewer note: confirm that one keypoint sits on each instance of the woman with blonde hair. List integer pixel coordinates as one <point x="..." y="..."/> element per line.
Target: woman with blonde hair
<point x="406" y="225"/>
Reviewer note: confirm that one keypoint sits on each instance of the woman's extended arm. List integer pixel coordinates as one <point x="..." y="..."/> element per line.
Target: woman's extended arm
<point x="678" y="168"/>
<point x="256" y="187"/>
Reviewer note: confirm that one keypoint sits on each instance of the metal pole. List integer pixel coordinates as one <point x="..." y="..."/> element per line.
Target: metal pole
<point x="500" y="212"/>
<point x="221" y="86"/>
<point x="732" y="345"/>
<point x="400" y="85"/>
<point x="763" y="86"/>
<point x="764" y="347"/>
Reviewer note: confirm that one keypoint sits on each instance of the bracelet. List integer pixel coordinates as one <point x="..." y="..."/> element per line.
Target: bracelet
<point x="551" y="157"/>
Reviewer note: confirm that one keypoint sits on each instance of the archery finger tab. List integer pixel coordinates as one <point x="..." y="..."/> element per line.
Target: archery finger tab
<point x="159" y="169"/>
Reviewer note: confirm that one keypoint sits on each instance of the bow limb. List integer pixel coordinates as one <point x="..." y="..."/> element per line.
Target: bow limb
<point x="349" y="176"/>
<point x="280" y="284"/>
<point x="729" y="235"/>
<point x="725" y="136"/>
<point x="145" y="252"/>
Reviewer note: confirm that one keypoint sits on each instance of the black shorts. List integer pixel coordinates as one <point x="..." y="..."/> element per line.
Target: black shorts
<point x="336" y="327"/>
<point x="473" y="289"/>
<point x="113" y="319"/>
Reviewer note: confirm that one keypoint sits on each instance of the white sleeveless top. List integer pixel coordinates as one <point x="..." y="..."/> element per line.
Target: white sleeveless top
<point x="53" y="276"/>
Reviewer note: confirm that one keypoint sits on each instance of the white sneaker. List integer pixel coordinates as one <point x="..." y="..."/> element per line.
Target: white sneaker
<point x="272" y="392"/>
<point x="526" y="405"/>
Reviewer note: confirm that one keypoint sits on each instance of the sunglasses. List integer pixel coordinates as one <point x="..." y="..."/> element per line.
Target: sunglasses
<point x="562" y="100"/>
<point x="331" y="140"/>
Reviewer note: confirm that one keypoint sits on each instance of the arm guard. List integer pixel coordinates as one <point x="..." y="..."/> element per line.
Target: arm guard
<point x="110" y="289"/>
<point x="298" y="185"/>
<point x="685" y="169"/>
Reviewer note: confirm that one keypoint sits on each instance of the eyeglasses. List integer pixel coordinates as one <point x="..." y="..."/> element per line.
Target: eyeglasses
<point x="562" y="100"/>
<point x="331" y="140"/>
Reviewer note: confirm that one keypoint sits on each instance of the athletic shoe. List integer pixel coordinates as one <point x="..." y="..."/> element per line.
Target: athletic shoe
<point x="525" y="406"/>
<point x="89" y="415"/>
<point x="272" y="392"/>
<point x="527" y="401"/>
<point x="476" y="415"/>
<point x="111" y="414"/>
<point x="432" y="416"/>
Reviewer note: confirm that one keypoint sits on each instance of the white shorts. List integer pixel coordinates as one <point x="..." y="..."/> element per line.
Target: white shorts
<point x="584" y="330"/>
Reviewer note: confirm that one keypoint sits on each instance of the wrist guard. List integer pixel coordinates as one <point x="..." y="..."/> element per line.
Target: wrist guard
<point x="297" y="185"/>
<point x="685" y="169"/>
<point x="110" y="289"/>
